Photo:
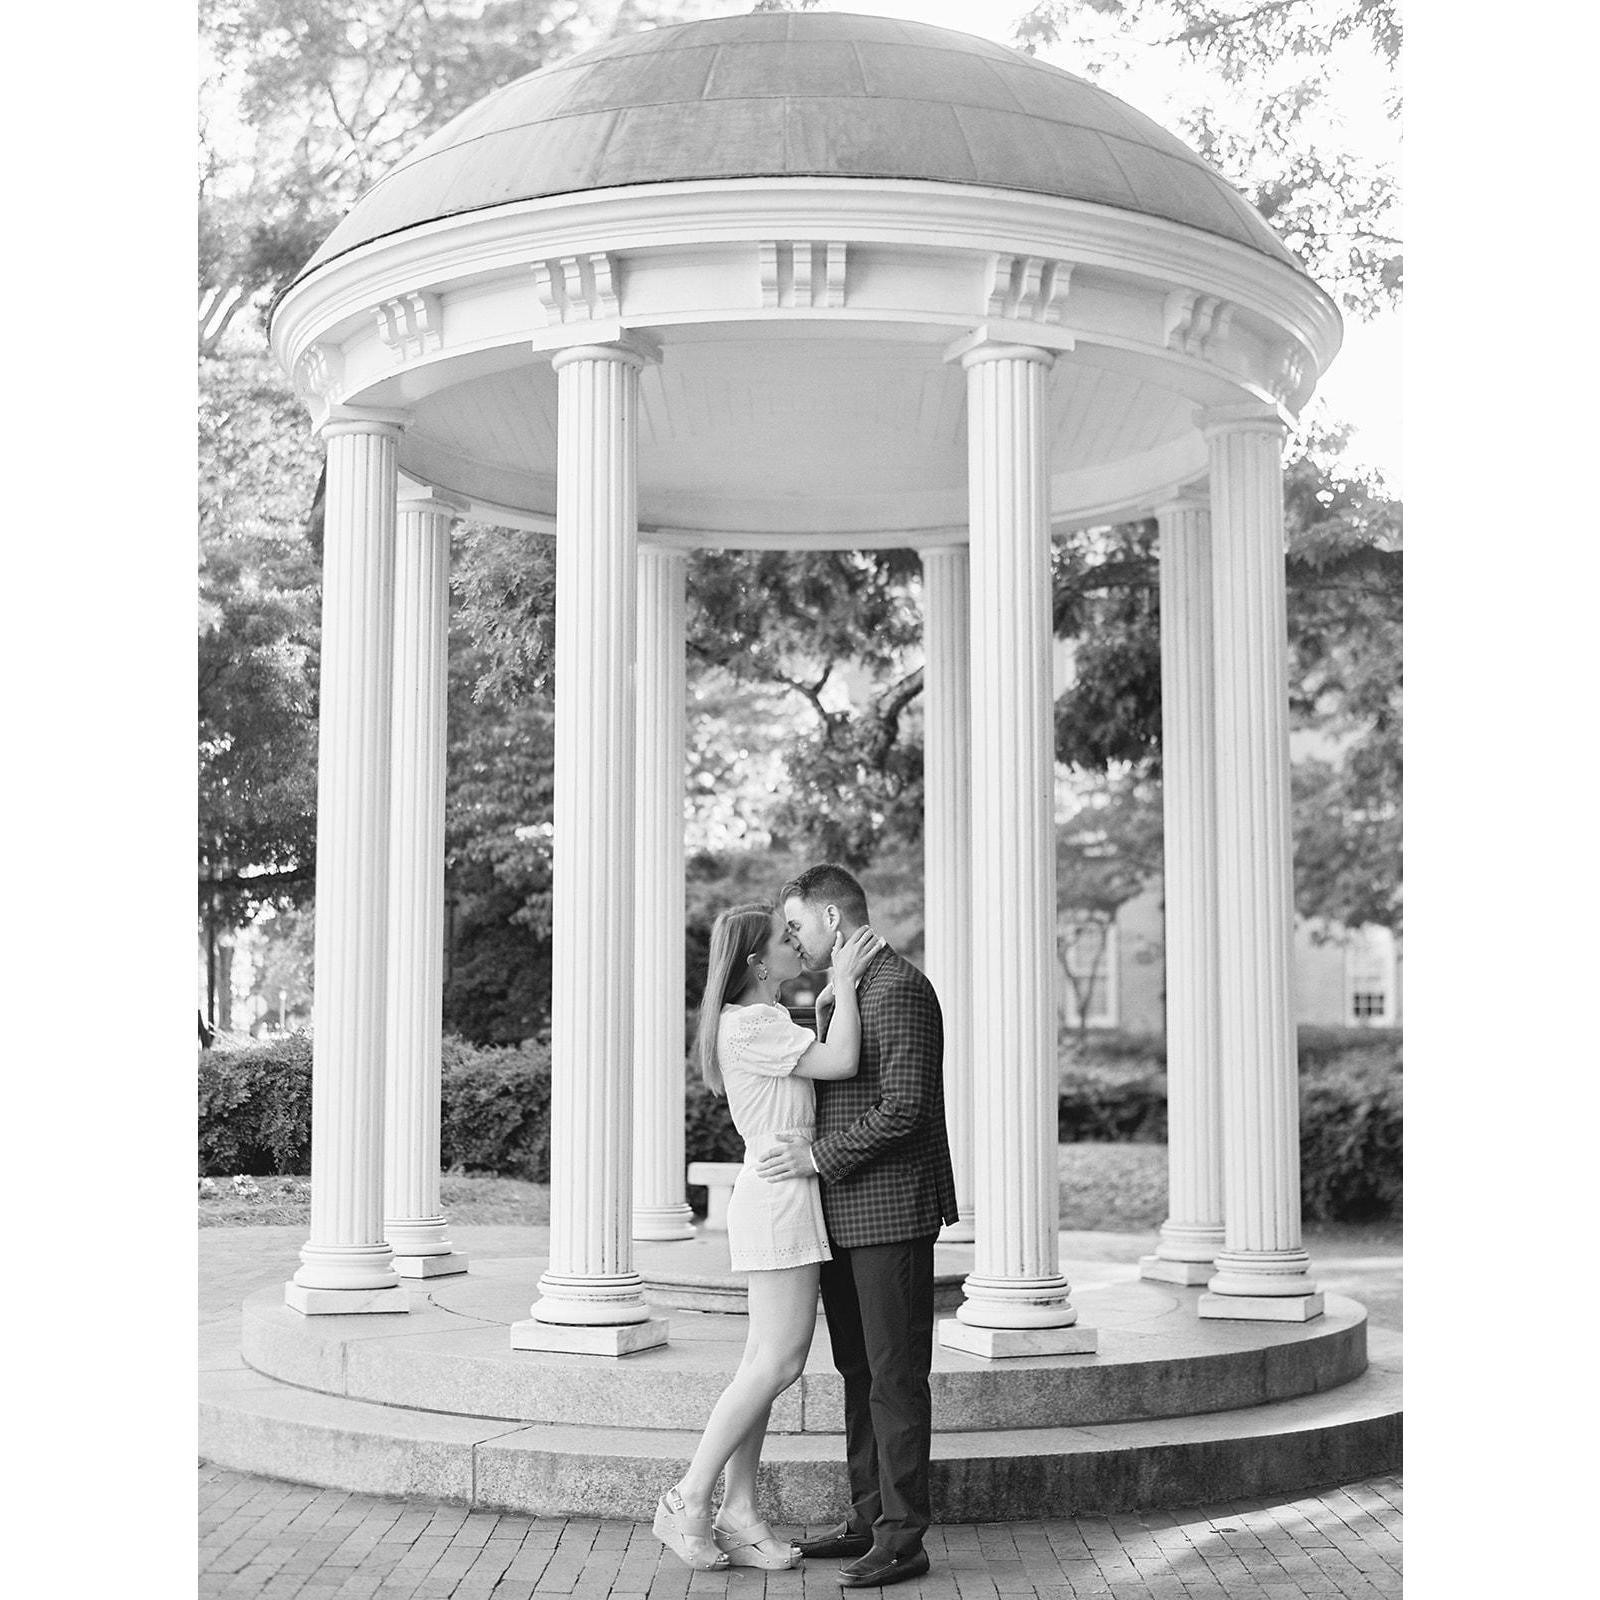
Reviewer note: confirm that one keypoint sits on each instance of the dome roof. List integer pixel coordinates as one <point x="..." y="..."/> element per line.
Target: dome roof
<point x="801" y="94"/>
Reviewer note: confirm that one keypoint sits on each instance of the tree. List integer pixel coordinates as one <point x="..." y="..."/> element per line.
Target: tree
<point x="1343" y="570"/>
<point x="805" y="623"/>
<point x="500" y="797"/>
<point x="1108" y="850"/>
<point x="257" y="650"/>
<point x="308" y="102"/>
<point x="1264" y="112"/>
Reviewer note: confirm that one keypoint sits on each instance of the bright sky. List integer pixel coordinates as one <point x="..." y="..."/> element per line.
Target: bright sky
<point x="1363" y="385"/>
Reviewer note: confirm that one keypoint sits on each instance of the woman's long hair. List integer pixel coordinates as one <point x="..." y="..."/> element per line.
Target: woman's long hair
<point x="738" y="933"/>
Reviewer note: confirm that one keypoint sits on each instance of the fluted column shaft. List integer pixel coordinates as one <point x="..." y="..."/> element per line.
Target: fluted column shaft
<point x="1192" y="1233"/>
<point x="659" y="1208"/>
<point x="947" y="842"/>
<point x="590" y="1285"/>
<point x="1262" y="1269"/>
<point x="346" y="1265"/>
<point x="1016" y="1287"/>
<point x="414" y="1223"/>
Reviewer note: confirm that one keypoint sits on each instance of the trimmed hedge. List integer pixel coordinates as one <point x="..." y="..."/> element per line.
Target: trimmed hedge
<point x="255" y="1108"/>
<point x="1351" y="1125"/>
<point x="1104" y="1104"/>
<point x="255" y="1115"/>
<point x="496" y="1109"/>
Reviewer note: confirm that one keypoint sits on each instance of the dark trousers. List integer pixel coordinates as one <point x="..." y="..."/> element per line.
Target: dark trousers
<point x="879" y="1304"/>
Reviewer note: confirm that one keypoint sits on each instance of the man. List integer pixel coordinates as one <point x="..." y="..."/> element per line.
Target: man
<point x="887" y="1187"/>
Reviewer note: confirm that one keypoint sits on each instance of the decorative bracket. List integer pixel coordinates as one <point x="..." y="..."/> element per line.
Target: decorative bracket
<point x="1291" y="374"/>
<point x="1027" y="288"/>
<point x="319" y="372"/>
<point x="1191" y="321"/>
<point x="802" y="272"/>
<point x="578" y="288"/>
<point x="411" y="324"/>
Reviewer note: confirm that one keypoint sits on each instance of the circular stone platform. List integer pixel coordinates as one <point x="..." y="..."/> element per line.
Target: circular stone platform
<point x="435" y="1403"/>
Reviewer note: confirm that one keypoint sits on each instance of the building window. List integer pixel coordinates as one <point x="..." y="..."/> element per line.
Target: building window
<point x="1086" y="952"/>
<point x="1369" y="971"/>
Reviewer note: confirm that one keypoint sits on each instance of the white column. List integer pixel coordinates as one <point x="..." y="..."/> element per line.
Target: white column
<point x="1192" y="1233"/>
<point x="346" y="1265"/>
<point x="591" y="1299"/>
<point x="1262" y="1268"/>
<point x="659" y="1208"/>
<point x="413" y="1222"/>
<point x="1017" y="1302"/>
<point x="947" y="844"/>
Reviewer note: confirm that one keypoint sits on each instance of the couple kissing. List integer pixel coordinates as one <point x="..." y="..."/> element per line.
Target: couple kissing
<point x="845" y="1184"/>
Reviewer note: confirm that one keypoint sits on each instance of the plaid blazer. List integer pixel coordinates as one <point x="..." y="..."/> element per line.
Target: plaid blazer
<point x="881" y="1146"/>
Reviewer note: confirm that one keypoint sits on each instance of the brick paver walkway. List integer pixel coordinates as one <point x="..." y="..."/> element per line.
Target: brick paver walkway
<point x="261" y="1538"/>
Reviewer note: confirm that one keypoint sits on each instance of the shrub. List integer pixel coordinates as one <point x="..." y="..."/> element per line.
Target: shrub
<point x="1102" y="1104"/>
<point x="1351" y="1127"/>
<point x="1324" y="1047"/>
<point x="255" y="1108"/>
<point x="496" y="1109"/>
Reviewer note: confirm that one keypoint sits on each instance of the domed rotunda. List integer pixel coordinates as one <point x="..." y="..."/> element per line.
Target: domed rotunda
<point x="801" y="281"/>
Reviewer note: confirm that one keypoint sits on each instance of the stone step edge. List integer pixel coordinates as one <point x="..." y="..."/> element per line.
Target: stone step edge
<point x="256" y="1424"/>
<point x="1225" y="1380"/>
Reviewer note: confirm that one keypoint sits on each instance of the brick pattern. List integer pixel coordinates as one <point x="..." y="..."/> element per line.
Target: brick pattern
<point x="262" y="1540"/>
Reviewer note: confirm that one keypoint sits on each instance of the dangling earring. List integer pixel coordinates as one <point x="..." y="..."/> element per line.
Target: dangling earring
<point x="761" y="974"/>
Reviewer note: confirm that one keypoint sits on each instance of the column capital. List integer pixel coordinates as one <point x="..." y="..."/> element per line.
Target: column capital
<point x="989" y="343"/>
<point x="660" y="549"/>
<point x="1185" y="500"/>
<point x="362" y="419"/>
<point x="1244" y="416"/>
<point x="424" y="497"/>
<point x="628" y="346"/>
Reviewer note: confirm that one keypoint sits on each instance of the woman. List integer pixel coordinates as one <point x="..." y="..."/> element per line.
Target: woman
<point x="750" y="1050"/>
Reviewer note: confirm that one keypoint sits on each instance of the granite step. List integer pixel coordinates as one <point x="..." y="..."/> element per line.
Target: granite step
<point x="257" y="1423"/>
<point x="451" y="1353"/>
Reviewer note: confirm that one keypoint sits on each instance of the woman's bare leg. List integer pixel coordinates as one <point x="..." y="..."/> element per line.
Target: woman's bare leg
<point x="739" y="1476"/>
<point x="783" y="1317"/>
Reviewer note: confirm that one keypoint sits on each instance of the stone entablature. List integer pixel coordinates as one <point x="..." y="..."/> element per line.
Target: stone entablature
<point x="1162" y="320"/>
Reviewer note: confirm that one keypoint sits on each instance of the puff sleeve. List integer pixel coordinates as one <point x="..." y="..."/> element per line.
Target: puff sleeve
<point x="763" y="1039"/>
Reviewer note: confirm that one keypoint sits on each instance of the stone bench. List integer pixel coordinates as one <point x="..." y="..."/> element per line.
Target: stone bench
<point x="719" y="1178"/>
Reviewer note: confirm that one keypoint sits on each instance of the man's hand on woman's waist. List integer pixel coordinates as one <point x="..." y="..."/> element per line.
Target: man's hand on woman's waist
<point x="790" y="1158"/>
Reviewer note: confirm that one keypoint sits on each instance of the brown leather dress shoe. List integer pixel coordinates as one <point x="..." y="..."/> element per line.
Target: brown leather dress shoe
<point x="840" y="1541"/>
<point x="880" y="1567"/>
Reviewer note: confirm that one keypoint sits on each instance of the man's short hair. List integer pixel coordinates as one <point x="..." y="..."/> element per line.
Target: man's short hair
<point x="828" y="884"/>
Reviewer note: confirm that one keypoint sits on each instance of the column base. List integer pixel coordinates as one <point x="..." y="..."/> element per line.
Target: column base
<point x="962" y="1231"/>
<point x="1188" y="1273"/>
<point x="442" y="1266"/>
<point x="343" y="1302"/>
<point x="997" y="1343"/>
<point x="1261" y="1307"/>
<point x="663" y="1223"/>
<point x="568" y="1338"/>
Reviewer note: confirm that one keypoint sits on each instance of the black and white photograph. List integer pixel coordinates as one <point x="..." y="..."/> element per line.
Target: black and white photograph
<point x="800" y="976"/>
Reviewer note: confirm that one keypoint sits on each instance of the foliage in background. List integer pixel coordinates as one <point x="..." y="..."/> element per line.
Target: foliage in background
<point x="305" y="103"/>
<point x="1351" y="1138"/>
<point x="255" y="1113"/>
<point x="498" y="861"/>
<point x="260" y="593"/>
<point x="255" y="1108"/>
<point x="1344" y="577"/>
<point x="1262" y="108"/>
<point x="496" y="1110"/>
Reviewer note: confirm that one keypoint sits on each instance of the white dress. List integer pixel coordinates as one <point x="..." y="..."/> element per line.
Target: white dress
<point x="769" y="1224"/>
